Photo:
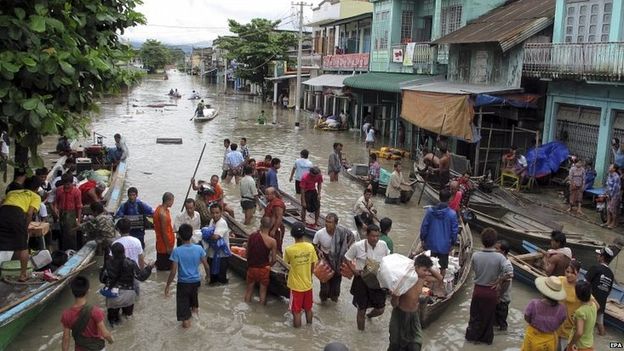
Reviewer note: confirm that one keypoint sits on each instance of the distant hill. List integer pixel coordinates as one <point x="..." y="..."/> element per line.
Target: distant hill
<point x="187" y="48"/>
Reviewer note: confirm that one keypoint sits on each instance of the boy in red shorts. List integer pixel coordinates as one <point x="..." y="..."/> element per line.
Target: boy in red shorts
<point x="302" y="258"/>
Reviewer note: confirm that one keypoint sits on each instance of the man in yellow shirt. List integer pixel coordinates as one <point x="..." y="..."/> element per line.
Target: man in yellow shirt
<point x="16" y="213"/>
<point x="302" y="258"/>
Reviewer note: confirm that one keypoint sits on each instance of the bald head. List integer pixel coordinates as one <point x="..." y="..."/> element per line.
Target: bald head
<point x="454" y="185"/>
<point x="265" y="223"/>
<point x="270" y="191"/>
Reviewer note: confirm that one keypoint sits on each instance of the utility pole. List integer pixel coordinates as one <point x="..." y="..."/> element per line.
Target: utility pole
<point x="301" y="4"/>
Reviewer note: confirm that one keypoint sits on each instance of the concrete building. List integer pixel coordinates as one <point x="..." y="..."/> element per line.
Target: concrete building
<point x="584" y="68"/>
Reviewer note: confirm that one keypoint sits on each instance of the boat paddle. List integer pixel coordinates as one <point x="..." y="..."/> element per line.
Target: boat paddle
<point x="424" y="184"/>
<point x="194" y="173"/>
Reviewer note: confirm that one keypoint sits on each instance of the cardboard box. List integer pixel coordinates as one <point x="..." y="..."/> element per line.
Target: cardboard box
<point x="37" y="229"/>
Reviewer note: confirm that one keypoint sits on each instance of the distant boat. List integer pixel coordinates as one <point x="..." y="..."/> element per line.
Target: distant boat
<point x="210" y="113"/>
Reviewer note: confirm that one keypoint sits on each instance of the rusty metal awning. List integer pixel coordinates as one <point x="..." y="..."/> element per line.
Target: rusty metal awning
<point x="508" y="25"/>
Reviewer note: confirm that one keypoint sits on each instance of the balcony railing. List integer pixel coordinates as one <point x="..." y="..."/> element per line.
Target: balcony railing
<point x="590" y="61"/>
<point x="311" y="61"/>
<point x="346" y="62"/>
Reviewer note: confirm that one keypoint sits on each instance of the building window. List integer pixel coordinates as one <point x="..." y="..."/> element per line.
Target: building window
<point x="588" y="21"/>
<point x="451" y="16"/>
<point x="407" y="21"/>
<point x="381" y="24"/>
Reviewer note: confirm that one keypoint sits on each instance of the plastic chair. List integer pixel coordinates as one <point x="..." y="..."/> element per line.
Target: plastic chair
<point x="510" y="177"/>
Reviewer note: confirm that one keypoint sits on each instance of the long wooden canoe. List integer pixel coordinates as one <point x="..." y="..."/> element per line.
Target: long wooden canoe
<point x="527" y="267"/>
<point x="21" y="304"/>
<point x="293" y="211"/>
<point x="516" y="227"/>
<point x="279" y="271"/>
<point x="432" y="307"/>
<point x="352" y="173"/>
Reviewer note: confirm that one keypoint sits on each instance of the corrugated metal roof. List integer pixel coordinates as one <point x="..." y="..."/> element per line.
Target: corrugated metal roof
<point x="382" y="81"/>
<point x="446" y="87"/>
<point x="508" y="25"/>
<point x="327" y="80"/>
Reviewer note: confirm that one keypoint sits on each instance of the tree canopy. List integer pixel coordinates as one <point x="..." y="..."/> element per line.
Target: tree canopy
<point x="255" y="45"/>
<point x="155" y="55"/>
<point x="56" y="58"/>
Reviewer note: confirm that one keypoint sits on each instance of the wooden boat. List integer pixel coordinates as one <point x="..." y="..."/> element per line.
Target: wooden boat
<point x="433" y="307"/>
<point x="359" y="173"/>
<point x="527" y="267"/>
<point x="293" y="213"/>
<point x="21" y="304"/>
<point x="209" y="115"/>
<point x="516" y="228"/>
<point x="279" y="271"/>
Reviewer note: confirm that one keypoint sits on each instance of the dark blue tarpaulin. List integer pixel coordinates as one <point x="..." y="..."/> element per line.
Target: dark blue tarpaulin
<point x="546" y="159"/>
<point x="485" y="99"/>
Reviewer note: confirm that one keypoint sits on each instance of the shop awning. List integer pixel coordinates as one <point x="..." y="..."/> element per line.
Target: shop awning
<point x="444" y="114"/>
<point x="381" y="81"/>
<point x="446" y="108"/>
<point x="327" y="80"/>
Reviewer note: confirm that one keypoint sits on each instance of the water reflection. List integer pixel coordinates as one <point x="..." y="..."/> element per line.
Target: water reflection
<point x="227" y="323"/>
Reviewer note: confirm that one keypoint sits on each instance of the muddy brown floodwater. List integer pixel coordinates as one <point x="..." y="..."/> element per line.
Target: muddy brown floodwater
<point x="226" y="322"/>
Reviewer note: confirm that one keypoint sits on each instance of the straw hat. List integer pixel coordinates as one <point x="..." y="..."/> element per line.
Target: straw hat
<point x="550" y="287"/>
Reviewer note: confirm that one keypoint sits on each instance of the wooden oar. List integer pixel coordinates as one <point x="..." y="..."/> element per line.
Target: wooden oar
<point x="194" y="174"/>
<point x="424" y="184"/>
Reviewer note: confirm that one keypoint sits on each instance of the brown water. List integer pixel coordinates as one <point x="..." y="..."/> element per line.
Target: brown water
<point x="226" y="322"/>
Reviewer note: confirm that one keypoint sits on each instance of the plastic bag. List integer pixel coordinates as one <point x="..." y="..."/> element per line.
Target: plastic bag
<point x="397" y="274"/>
<point x="323" y="271"/>
<point x="207" y="233"/>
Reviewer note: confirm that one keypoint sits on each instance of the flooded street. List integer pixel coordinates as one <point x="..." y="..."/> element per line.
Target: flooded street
<point x="226" y="322"/>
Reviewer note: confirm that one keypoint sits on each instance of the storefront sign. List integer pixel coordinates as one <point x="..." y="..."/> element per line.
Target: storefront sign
<point x="346" y="61"/>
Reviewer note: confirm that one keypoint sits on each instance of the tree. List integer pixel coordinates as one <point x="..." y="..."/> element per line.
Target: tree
<point x="56" y="58"/>
<point x="154" y="55"/>
<point x="255" y="46"/>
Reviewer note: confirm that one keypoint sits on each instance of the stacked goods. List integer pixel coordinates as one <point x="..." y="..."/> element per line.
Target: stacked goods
<point x="239" y="251"/>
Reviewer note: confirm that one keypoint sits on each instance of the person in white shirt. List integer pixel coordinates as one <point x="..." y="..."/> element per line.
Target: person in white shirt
<point x="218" y="255"/>
<point x="132" y="245"/>
<point x="226" y="145"/>
<point x="248" y="192"/>
<point x="370" y="138"/>
<point x="302" y="166"/>
<point x="332" y="243"/>
<point x="364" y="297"/>
<point x="188" y="216"/>
<point x="365" y="204"/>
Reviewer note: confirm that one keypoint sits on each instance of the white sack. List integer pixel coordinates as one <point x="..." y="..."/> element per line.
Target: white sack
<point x="397" y="274"/>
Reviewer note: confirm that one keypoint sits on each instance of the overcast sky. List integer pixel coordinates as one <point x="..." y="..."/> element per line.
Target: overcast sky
<point x="189" y="21"/>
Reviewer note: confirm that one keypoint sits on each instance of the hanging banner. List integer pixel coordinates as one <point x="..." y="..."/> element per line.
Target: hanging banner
<point x="408" y="60"/>
<point x="397" y="55"/>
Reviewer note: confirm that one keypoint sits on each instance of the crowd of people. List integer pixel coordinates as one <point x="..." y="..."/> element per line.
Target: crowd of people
<point x="563" y="318"/>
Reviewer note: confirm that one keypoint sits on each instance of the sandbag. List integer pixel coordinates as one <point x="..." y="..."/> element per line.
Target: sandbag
<point x="397" y="274"/>
<point x="323" y="271"/>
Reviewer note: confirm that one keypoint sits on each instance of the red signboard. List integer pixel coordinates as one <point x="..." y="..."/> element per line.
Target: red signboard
<point x="346" y="61"/>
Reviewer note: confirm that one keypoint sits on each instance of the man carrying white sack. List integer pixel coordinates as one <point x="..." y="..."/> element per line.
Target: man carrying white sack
<point x="405" y="329"/>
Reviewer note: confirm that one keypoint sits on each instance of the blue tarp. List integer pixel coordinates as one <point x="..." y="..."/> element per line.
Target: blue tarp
<point x="485" y="99"/>
<point x="546" y="159"/>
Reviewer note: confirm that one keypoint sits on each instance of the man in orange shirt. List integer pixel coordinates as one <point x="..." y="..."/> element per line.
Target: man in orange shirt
<point x="165" y="238"/>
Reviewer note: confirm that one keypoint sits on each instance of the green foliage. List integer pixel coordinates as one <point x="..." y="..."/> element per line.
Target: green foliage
<point x="56" y="58"/>
<point x="155" y="55"/>
<point x="177" y="56"/>
<point x="255" y="46"/>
